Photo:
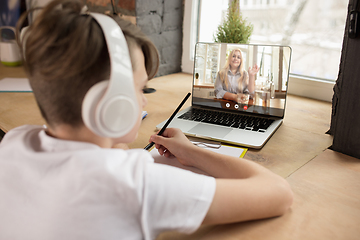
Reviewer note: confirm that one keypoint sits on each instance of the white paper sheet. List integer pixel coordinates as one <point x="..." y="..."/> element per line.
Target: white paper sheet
<point x="15" y="85"/>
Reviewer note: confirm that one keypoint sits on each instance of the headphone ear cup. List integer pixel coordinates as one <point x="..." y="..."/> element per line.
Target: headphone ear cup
<point x="90" y="103"/>
<point x="117" y="116"/>
<point x="114" y="118"/>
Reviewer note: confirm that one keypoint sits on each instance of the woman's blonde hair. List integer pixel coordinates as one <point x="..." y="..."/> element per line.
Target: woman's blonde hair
<point x="224" y="71"/>
<point x="65" y="54"/>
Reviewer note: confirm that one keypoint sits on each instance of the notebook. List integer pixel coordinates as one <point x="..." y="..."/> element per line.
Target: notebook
<point x="253" y="116"/>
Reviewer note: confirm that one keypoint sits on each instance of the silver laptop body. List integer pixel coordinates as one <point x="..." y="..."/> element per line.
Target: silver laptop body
<point x="265" y="105"/>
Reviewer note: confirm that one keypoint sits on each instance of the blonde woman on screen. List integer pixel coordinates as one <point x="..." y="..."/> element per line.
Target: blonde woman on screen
<point x="233" y="78"/>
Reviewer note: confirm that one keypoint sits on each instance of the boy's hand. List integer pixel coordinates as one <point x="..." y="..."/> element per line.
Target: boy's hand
<point x="174" y="143"/>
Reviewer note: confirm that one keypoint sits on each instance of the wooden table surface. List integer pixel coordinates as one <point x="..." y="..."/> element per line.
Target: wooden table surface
<point x="326" y="184"/>
<point x="326" y="206"/>
<point x="300" y="138"/>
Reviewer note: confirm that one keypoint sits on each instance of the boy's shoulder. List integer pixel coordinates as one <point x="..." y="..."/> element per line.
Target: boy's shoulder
<point x="33" y="142"/>
<point x="30" y="149"/>
<point x="19" y="134"/>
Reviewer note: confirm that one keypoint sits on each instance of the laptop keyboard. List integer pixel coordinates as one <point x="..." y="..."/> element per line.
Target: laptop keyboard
<point x="228" y="119"/>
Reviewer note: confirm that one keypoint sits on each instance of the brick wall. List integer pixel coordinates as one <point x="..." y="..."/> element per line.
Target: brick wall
<point x="161" y="20"/>
<point x="126" y="7"/>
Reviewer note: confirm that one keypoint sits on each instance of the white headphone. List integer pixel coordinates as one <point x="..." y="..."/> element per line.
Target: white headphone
<point x="110" y="107"/>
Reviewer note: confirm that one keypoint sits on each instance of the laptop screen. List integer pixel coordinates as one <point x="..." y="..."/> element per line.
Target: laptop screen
<point x="241" y="77"/>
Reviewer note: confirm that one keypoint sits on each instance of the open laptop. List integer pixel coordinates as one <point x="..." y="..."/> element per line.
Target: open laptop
<point x="252" y="119"/>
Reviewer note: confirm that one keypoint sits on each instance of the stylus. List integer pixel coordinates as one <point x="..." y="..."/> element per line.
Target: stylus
<point x="169" y="120"/>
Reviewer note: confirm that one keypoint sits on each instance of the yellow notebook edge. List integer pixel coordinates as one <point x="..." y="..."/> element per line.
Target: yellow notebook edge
<point x="242" y="154"/>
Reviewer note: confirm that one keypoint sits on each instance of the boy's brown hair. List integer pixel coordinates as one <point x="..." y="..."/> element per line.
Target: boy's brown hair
<point x="65" y="54"/>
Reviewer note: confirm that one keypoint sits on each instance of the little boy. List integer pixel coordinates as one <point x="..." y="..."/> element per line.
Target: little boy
<point x="65" y="181"/>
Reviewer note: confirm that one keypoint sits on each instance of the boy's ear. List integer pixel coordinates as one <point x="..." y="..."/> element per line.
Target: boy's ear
<point x="110" y="108"/>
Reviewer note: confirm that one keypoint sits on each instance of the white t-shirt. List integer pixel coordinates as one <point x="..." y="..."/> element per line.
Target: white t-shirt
<point x="57" y="189"/>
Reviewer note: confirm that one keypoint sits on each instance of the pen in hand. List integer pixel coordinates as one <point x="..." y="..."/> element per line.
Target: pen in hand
<point x="169" y="120"/>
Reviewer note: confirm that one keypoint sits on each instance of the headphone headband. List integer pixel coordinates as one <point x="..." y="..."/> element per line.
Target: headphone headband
<point x="120" y="63"/>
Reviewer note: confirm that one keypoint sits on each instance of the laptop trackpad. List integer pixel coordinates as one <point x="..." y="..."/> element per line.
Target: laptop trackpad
<point x="210" y="131"/>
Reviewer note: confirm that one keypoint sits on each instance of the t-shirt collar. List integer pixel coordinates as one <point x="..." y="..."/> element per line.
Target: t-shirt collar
<point x="52" y="144"/>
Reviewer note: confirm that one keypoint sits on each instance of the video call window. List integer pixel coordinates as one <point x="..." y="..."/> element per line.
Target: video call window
<point x="257" y="74"/>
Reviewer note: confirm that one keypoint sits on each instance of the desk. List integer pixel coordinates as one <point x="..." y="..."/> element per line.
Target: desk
<point x="326" y="206"/>
<point x="300" y="138"/>
<point x="326" y="190"/>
